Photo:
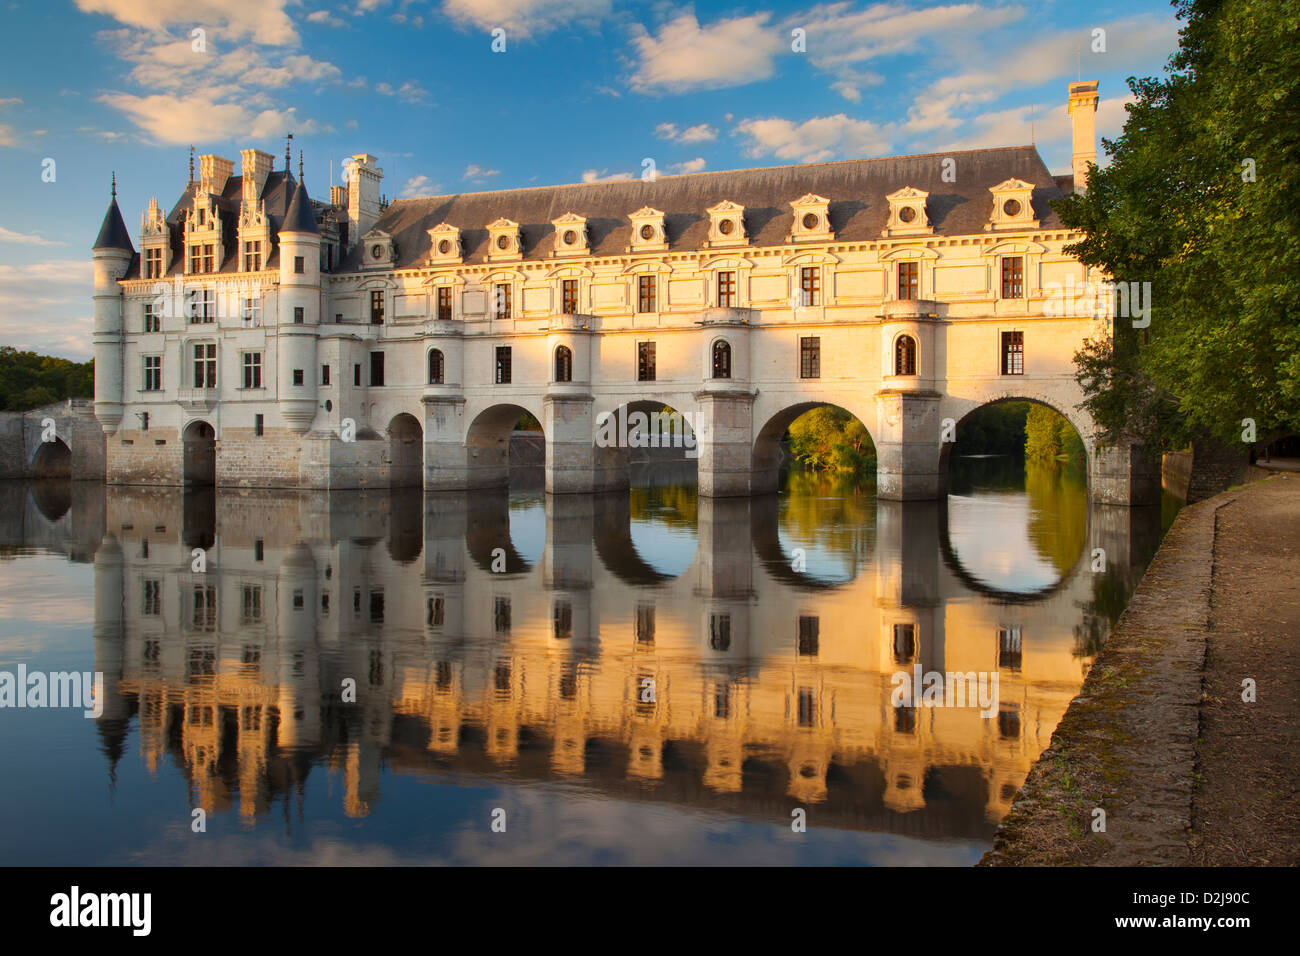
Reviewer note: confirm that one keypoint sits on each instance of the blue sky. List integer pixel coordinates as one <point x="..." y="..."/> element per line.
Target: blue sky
<point x="584" y="90"/>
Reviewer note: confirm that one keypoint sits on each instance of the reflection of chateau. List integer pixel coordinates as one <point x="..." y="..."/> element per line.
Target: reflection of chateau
<point x="771" y="690"/>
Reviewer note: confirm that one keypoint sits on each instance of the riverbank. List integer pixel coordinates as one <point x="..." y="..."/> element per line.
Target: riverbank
<point x="1159" y="738"/>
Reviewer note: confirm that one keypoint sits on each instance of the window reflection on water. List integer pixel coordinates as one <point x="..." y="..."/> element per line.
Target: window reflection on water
<point x="716" y="660"/>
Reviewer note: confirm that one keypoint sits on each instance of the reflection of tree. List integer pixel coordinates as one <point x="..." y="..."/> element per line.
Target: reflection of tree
<point x="831" y="511"/>
<point x="1110" y="594"/>
<point x="1058" y="517"/>
<point x="673" y="505"/>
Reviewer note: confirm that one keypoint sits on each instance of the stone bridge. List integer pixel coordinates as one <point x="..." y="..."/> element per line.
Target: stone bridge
<point x="59" y="440"/>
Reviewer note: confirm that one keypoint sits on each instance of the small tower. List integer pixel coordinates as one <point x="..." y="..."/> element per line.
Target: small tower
<point x="299" y="312"/>
<point x="112" y="256"/>
<point x="1083" y="117"/>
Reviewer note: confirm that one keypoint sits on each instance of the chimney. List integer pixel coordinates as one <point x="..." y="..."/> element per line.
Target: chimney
<point x="257" y="166"/>
<point x="362" y="177"/>
<point x="1083" y="116"/>
<point x="214" y="172"/>
<point x="338" y="196"/>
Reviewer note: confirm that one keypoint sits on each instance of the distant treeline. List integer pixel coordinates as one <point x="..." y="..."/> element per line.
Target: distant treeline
<point x="1008" y="428"/>
<point x="29" y="380"/>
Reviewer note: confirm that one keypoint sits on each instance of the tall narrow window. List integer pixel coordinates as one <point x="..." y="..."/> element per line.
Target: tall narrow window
<point x="645" y="300"/>
<point x="810" y="285"/>
<point x="563" y="364"/>
<point x="905" y="355"/>
<point x="259" y="425"/>
<point x="209" y="260"/>
<point x="810" y="357"/>
<point x="205" y="365"/>
<point x="809" y="636"/>
<point x="252" y="310"/>
<point x="721" y="360"/>
<point x="645" y="624"/>
<point x="569" y="293"/>
<point x="203" y="305"/>
<point x="563" y="629"/>
<point x="501" y="303"/>
<point x="377" y="307"/>
<point x="726" y="289"/>
<point x="904" y="643"/>
<point x="298" y="315"/>
<point x="252" y="257"/>
<point x="1013" y="272"/>
<point x="1009" y="654"/>
<point x="645" y="361"/>
<point x="444" y="303"/>
<point x="435" y="366"/>
<point x="1013" y="353"/>
<point x="152" y="373"/>
<point x="719" y="632"/>
<point x="196" y="259"/>
<point x="324" y="374"/>
<point x="252" y="370"/>
<point x="908" y="280"/>
<point x="356" y="375"/>
<point x="152" y="321"/>
<point x="501" y="615"/>
<point x="503" y="365"/>
<point x="299" y="267"/>
<point x="153" y="263"/>
<point x="376" y="368"/>
<point x="807" y="707"/>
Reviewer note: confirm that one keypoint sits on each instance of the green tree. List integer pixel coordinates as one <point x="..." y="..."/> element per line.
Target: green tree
<point x="831" y="439"/>
<point x="29" y="380"/>
<point x="1202" y="200"/>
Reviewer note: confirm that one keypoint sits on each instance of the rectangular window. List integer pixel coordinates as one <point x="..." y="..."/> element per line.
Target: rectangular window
<point x="203" y="305"/>
<point x="569" y="289"/>
<point x="252" y="310"/>
<point x="1013" y="353"/>
<point x="259" y="425"/>
<point x="144" y="427"/>
<point x="376" y="368"/>
<point x="904" y="643"/>
<point x="299" y="267"/>
<point x="205" y="365"/>
<point x="908" y="280"/>
<point x="809" y="632"/>
<point x="298" y="315"/>
<point x="444" y="303"/>
<point x="502" y="300"/>
<point x="810" y="357"/>
<point x="252" y="370"/>
<point x="151" y="318"/>
<point x="807" y="707"/>
<point x="252" y="257"/>
<point x="377" y="307"/>
<point x="1009" y="653"/>
<point x="646" y="289"/>
<point x="503" y="365"/>
<point x="810" y="285"/>
<point x="356" y="375"/>
<point x="501" y="615"/>
<point x="726" y="289"/>
<point x="645" y="361"/>
<point x="196" y="259"/>
<point x="297" y="376"/>
<point x="152" y="373"/>
<point x="153" y="263"/>
<point x="645" y="624"/>
<point x="1013" y="273"/>
<point x="251" y="605"/>
<point x="324" y="374"/>
<point x="209" y="261"/>
<point x="152" y="598"/>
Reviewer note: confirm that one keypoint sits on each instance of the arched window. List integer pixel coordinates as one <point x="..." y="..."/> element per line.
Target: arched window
<point x="564" y="364"/>
<point x="435" y="367"/>
<point x="905" y="355"/>
<point x="721" y="360"/>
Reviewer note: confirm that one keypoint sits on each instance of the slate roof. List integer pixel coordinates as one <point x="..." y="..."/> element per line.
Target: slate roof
<point x="856" y="189"/>
<point x="113" y="233"/>
<point x="298" y="217"/>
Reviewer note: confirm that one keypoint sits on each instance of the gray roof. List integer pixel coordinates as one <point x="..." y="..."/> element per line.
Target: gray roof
<point x="113" y="233"/>
<point x="856" y="189"/>
<point x="298" y="217"/>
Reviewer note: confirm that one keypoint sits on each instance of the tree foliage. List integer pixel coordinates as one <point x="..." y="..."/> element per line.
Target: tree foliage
<point x="1202" y="200"/>
<point x="1049" y="436"/>
<point x="832" y="439"/>
<point x="29" y="380"/>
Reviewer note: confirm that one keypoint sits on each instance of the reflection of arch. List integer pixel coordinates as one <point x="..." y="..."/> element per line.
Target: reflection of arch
<point x="563" y="364"/>
<point x="487" y="445"/>
<point x="405" y="525"/>
<point x="612" y="533"/>
<point x="53" y="498"/>
<point x="199" y="454"/>
<point x="487" y="528"/>
<point x="766" y="457"/>
<point x="905" y="355"/>
<point x="53" y="459"/>
<point x="405" y="452"/>
<point x="617" y="442"/>
<point x="722" y="359"/>
<point x="765" y="521"/>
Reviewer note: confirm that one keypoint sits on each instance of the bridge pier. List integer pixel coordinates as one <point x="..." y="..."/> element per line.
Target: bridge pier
<point x="725" y="429"/>
<point x="908" y="447"/>
<point x="1125" y="474"/>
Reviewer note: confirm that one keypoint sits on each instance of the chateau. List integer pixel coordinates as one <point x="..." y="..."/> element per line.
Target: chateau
<point x="261" y="338"/>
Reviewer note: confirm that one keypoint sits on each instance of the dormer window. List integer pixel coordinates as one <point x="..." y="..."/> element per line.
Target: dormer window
<point x="811" y="219"/>
<point x="907" y="213"/>
<point x="1012" y="206"/>
<point x="648" y="231"/>
<point x="379" y="250"/>
<point x="570" y="235"/>
<point x="444" y="243"/>
<point x="726" y="224"/>
<point x="504" y="240"/>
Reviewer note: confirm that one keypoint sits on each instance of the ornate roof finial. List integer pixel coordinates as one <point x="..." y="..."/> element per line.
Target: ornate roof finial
<point x="191" y="164"/>
<point x="288" y="143"/>
<point x="115" y="184"/>
<point x="300" y="164"/>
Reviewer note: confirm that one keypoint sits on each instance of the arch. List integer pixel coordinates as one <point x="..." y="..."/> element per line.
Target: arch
<point x="437" y="367"/>
<point x="488" y="445"/>
<point x="766" y="456"/>
<point x="905" y="355"/>
<point x="563" y="363"/>
<point x="721" y="354"/>
<point x="53" y="459"/>
<point x="199" y="441"/>
<point x="945" y="451"/>
<point x="648" y="435"/>
<point x="405" y="452"/>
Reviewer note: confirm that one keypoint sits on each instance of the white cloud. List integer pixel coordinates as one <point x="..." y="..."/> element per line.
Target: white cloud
<point x="262" y="21"/>
<point x="10" y="101"/>
<point x="1048" y="126"/>
<point x="326" y="18"/>
<point x="201" y="117"/>
<point x="477" y="173"/>
<point x="695" y="165"/>
<point x="685" y="56"/>
<point x="603" y="176"/>
<point x="525" y="18"/>
<point x="700" y="133"/>
<point x="419" y="186"/>
<point x="30" y="239"/>
<point x="7" y="137"/>
<point x="59" y="292"/>
<point x="814" y="140"/>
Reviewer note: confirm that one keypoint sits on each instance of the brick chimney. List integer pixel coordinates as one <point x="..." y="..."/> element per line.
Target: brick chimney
<point x="257" y="166"/>
<point x="214" y="172"/>
<point x="363" y="178"/>
<point x="1083" y="117"/>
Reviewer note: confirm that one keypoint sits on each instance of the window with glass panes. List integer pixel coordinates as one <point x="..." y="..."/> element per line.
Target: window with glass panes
<point x="502" y="302"/>
<point x="645" y="300"/>
<point x="569" y="294"/>
<point x="645" y="361"/>
<point x="726" y="289"/>
<point x="810" y="357"/>
<point x="1013" y="353"/>
<point x="1013" y="271"/>
<point x="153" y="263"/>
<point x="908" y="280"/>
<point x="205" y="365"/>
<point x="503" y="365"/>
<point x="444" y="303"/>
<point x="810" y="285"/>
<point x="152" y="373"/>
<point x="253" y="257"/>
<point x="252" y="370"/>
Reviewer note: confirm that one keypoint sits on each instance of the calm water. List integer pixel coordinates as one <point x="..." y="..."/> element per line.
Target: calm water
<point x="639" y="678"/>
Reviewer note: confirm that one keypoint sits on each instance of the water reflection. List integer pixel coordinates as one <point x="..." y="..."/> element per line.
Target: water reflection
<point x="511" y="639"/>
